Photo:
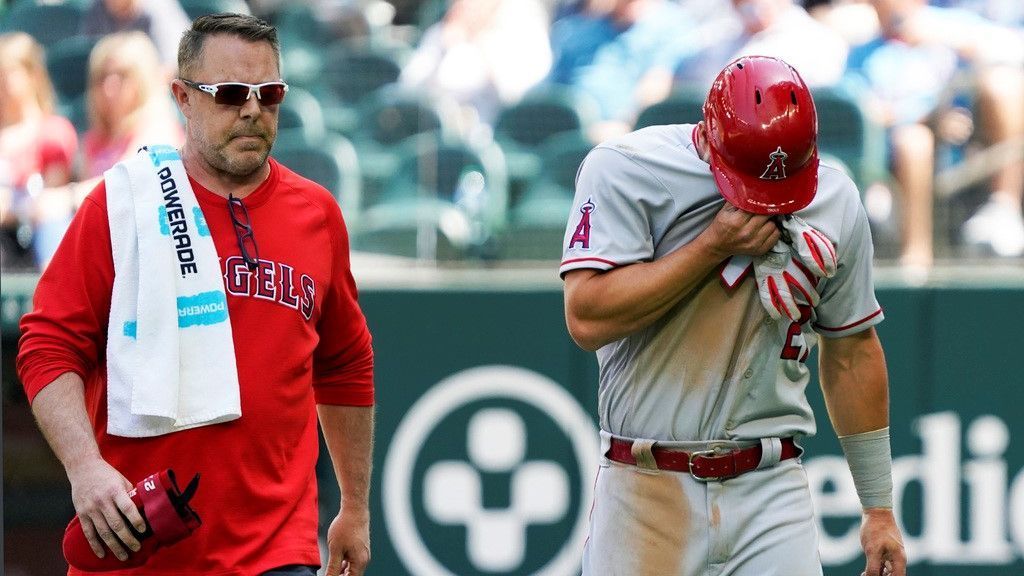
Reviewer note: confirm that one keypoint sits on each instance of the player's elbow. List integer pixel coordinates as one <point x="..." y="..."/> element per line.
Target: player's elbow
<point x="586" y="334"/>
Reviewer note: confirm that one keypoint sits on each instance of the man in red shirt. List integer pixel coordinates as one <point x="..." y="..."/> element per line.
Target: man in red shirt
<point x="299" y="337"/>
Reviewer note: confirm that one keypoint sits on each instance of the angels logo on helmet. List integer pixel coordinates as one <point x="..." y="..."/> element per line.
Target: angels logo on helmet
<point x="776" y="169"/>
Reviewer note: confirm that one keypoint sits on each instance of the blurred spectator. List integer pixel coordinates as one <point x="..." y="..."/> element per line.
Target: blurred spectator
<point x="484" y="53"/>
<point x="909" y="68"/>
<point x="32" y="139"/>
<point x="854" y="20"/>
<point x="36" y="147"/>
<point x="128" y="102"/>
<point x="163" y="21"/>
<point x="776" y="28"/>
<point x="621" y="53"/>
<point x="907" y="78"/>
<point x="1005" y="12"/>
<point x="128" y="107"/>
<point x="993" y="56"/>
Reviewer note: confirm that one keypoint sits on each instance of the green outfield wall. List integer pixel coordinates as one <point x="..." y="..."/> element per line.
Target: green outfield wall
<point x="486" y="435"/>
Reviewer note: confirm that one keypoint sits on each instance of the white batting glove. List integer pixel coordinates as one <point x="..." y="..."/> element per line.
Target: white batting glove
<point x="812" y="248"/>
<point x="782" y="285"/>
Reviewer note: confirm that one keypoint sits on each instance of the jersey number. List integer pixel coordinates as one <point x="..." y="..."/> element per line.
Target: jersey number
<point x="796" y="348"/>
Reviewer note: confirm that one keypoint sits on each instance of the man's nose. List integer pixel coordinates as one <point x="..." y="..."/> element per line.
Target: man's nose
<point x="251" y="108"/>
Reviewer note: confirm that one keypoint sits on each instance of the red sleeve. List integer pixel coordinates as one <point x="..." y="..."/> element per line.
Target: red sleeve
<point x="58" y="144"/>
<point x="343" y="361"/>
<point x="66" y="331"/>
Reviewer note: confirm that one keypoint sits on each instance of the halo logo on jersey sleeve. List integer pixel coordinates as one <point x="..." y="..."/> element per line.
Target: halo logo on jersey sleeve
<point x="776" y="169"/>
<point x="582" y="232"/>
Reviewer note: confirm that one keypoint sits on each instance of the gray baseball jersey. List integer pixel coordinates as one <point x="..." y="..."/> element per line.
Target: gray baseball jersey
<point x="715" y="366"/>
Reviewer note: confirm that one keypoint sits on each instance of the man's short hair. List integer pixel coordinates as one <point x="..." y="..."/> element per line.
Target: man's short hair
<point x="250" y="28"/>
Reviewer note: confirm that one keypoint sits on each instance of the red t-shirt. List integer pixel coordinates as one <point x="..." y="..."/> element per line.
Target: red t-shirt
<point x="300" y="339"/>
<point x="51" y="144"/>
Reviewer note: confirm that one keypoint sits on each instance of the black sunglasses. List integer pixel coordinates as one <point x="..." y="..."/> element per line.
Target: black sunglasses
<point x="243" y="232"/>
<point x="238" y="93"/>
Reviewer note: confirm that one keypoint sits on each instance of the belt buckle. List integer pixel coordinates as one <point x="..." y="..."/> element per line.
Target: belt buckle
<point x="715" y="452"/>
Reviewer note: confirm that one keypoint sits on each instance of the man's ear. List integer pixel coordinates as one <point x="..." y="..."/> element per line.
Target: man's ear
<point x="701" y="141"/>
<point x="182" y="97"/>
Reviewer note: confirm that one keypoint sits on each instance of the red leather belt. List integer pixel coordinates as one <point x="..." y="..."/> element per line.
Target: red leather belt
<point x="704" y="465"/>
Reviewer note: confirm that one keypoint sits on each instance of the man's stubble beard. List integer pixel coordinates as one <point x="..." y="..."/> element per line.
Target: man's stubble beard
<point x="237" y="165"/>
<point x="240" y="165"/>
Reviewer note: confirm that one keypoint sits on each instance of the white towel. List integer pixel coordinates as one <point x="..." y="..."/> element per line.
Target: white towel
<point x="170" y="357"/>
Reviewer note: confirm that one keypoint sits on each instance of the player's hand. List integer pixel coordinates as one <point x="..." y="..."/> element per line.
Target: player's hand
<point x="782" y="285"/>
<point x="348" y="543"/>
<point x="811" y="246"/>
<point x="735" y="232"/>
<point x="100" y="495"/>
<point x="882" y="543"/>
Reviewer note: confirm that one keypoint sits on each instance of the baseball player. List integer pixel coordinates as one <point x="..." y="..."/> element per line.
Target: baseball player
<point x="702" y="311"/>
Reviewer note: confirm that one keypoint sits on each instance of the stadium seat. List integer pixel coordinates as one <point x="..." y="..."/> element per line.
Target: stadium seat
<point x="345" y="79"/>
<point x="430" y="12"/>
<point x="522" y="127"/>
<point x="683" y="106"/>
<point x="846" y="132"/>
<point x="391" y="115"/>
<point x="540" y="114"/>
<point x="351" y="75"/>
<point x="68" y="64"/>
<point x="470" y="177"/>
<point x="301" y="62"/>
<point x="561" y="156"/>
<point x="432" y="165"/>
<point x="332" y="163"/>
<point x="300" y="118"/>
<point x="536" y="225"/>
<point x="296" y="22"/>
<point x="196" y="8"/>
<point x="537" y="220"/>
<point x="423" y="228"/>
<point x="47" y="23"/>
<point x="340" y="117"/>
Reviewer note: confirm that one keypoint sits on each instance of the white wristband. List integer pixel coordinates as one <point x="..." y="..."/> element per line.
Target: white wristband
<point x="870" y="460"/>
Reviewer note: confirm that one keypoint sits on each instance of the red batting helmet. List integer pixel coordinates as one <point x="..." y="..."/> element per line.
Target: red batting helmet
<point x="763" y="131"/>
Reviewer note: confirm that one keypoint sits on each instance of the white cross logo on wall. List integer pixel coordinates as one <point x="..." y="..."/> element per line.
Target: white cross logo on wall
<point x="452" y="490"/>
<point x="496" y="538"/>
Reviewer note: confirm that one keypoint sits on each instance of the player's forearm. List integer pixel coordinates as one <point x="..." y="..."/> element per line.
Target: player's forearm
<point x="605" y="307"/>
<point x="854" y="383"/>
<point x="348" y="431"/>
<point x="59" y="409"/>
